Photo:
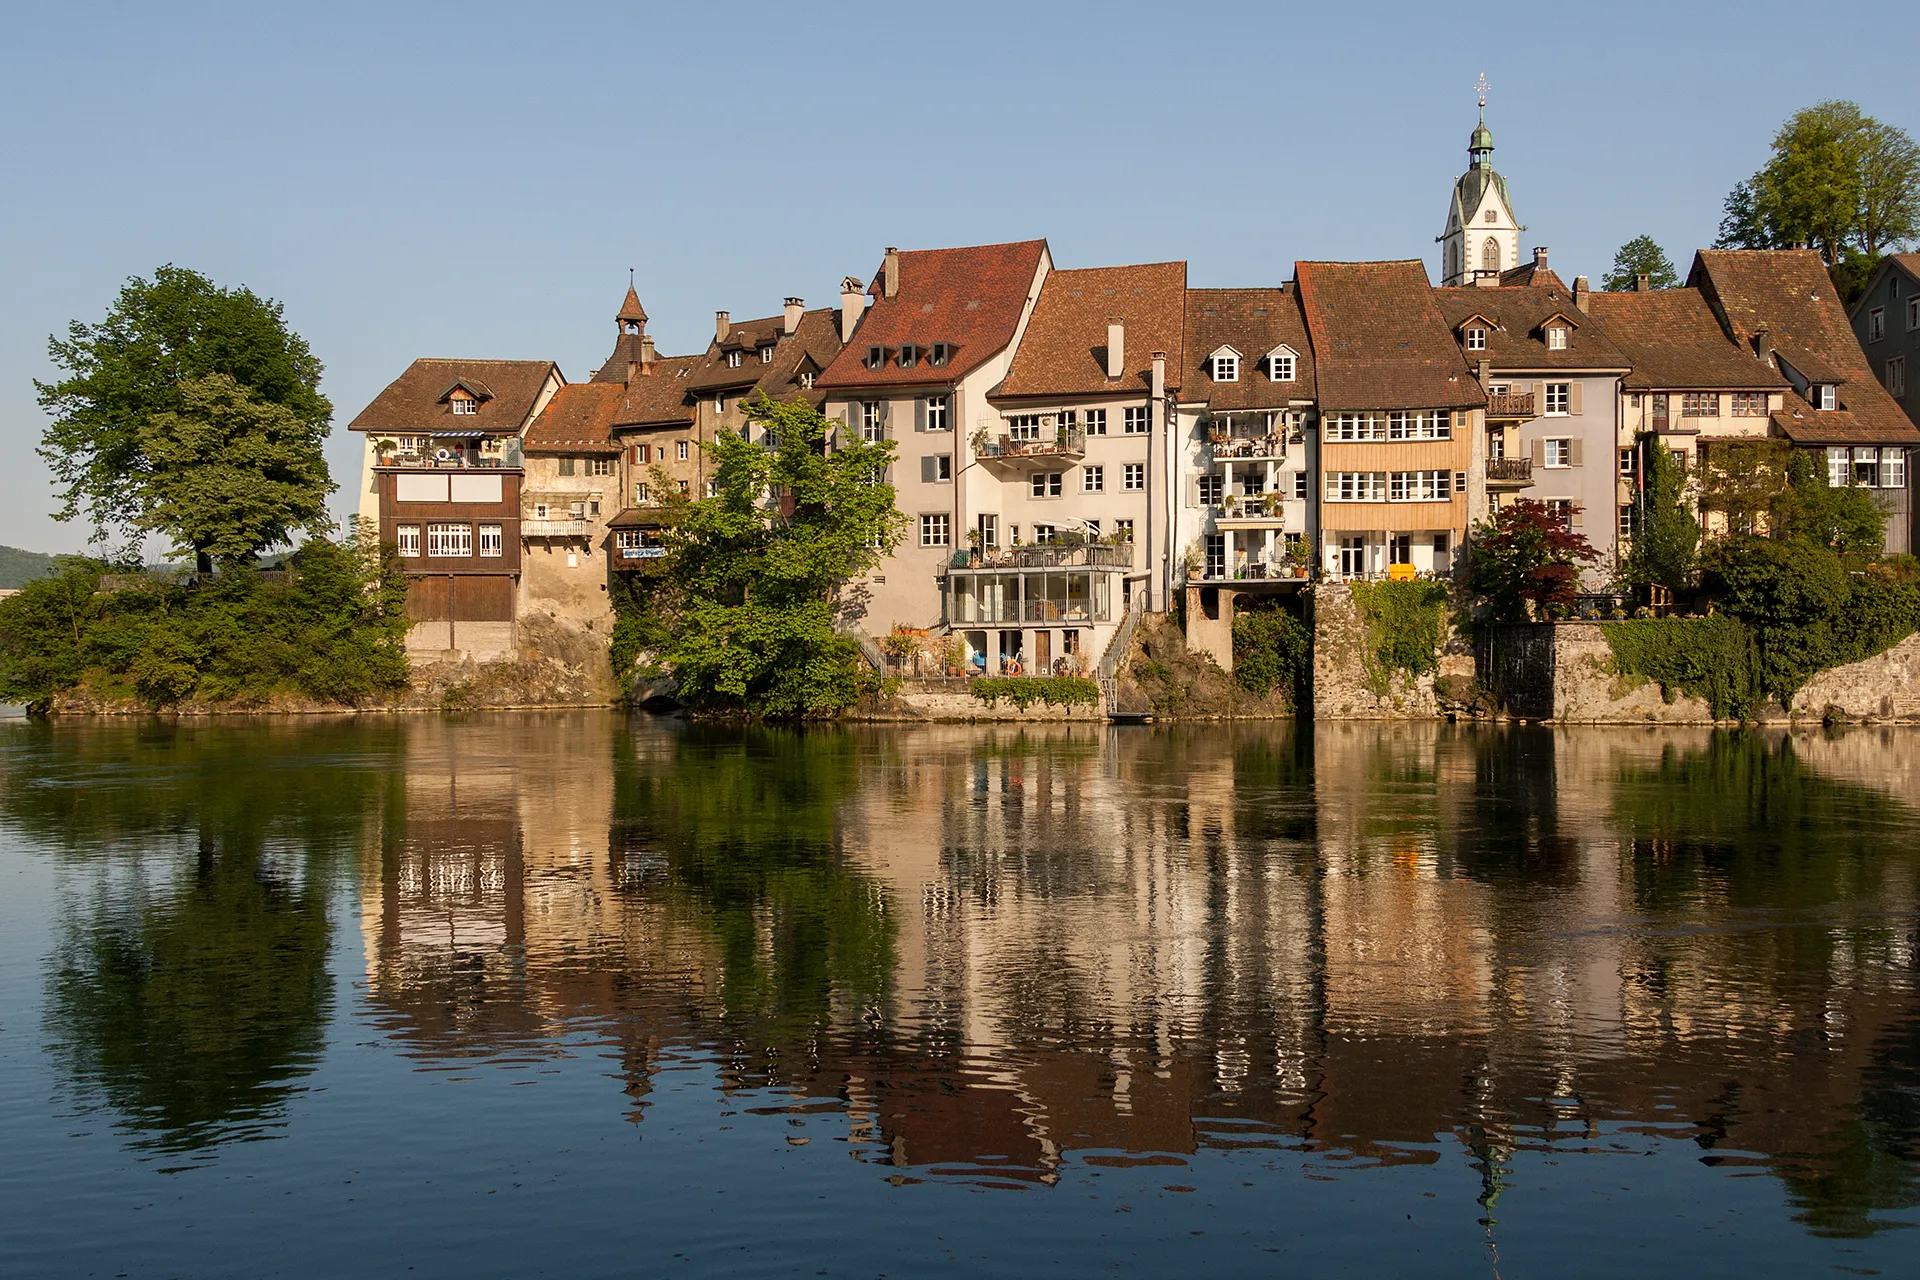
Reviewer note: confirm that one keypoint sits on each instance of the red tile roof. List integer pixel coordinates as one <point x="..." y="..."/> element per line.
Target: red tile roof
<point x="631" y="308"/>
<point x="1518" y="338"/>
<point x="1379" y="340"/>
<point x="1252" y="322"/>
<point x="970" y="298"/>
<point x="1675" y="343"/>
<point x="814" y="343"/>
<point x="1788" y="293"/>
<point x="1064" y="349"/>
<point x="579" y="419"/>
<point x="415" y="402"/>
<point x="661" y="398"/>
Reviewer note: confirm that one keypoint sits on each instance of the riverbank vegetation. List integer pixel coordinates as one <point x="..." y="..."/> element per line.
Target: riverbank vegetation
<point x="1272" y="652"/>
<point x="1406" y="623"/>
<point x="1025" y="691"/>
<point x="742" y="613"/>
<point x="329" y="625"/>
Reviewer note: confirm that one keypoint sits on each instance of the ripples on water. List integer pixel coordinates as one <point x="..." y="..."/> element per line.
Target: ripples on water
<point x="1377" y="996"/>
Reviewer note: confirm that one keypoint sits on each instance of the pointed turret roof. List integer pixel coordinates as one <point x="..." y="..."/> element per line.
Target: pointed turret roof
<point x="631" y="308"/>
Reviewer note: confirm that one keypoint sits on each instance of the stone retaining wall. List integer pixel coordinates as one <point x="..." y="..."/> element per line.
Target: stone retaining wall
<point x="946" y="699"/>
<point x="1340" y="687"/>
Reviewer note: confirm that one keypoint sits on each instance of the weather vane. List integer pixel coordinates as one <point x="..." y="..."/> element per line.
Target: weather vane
<point x="1480" y="87"/>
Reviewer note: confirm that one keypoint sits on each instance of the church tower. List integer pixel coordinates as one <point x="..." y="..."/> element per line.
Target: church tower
<point x="633" y="349"/>
<point x="1482" y="237"/>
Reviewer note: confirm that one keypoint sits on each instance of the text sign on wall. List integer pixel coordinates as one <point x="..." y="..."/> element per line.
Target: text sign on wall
<point x="643" y="553"/>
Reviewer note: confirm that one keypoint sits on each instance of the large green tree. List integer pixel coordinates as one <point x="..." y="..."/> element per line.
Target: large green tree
<point x="1637" y="257"/>
<point x="1838" y="181"/>
<point x="230" y="474"/>
<point x="1664" y="536"/>
<point x="747" y="624"/>
<point x="129" y="369"/>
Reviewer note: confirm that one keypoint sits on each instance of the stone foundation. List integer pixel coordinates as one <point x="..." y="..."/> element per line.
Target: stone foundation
<point x="953" y="700"/>
<point x="1341" y="690"/>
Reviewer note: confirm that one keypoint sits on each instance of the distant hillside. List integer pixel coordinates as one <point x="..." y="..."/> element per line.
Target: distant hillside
<point x="18" y="567"/>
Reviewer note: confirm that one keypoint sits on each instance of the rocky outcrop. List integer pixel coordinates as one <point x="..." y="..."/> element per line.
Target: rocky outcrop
<point x="1883" y="688"/>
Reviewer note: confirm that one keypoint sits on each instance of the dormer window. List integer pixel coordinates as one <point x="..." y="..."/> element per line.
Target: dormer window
<point x="733" y="359"/>
<point x="1476" y="339"/>
<point x="1226" y="366"/>
<point x="938" y="355"/>
<point x="876" y="356"/>
<point x="909" y="356"/>
<point x="806" y="379"/>
<point x="461" y="403"/>
<point x="1280" y="363"/>
<point x="1557" y="336"/>
<point x="766" y="354"/>
<point x="1825" y="397"/>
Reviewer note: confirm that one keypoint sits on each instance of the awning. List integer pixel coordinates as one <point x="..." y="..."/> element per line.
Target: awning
<point x="471" y="433"/>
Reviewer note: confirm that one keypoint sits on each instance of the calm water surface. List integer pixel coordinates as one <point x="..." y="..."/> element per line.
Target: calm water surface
<point x="577" y="995"/>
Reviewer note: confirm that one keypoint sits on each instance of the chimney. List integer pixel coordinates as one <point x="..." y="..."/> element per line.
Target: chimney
<point x="1641" y="284"/>
<point x="647" y="357"/>
<point x="853" y="301"/>
<point x="1539" y="257"/>
<point x="722" y="326"/>
<point x="1116" y="347"/>
<point x="891" y="272"/>
<point x="1159" y="375"/>
<point x="1763" y="345"/>
<point x="794" y="308"/>
<point x="1581" y="291"/>
<point x="1484" y="374"/>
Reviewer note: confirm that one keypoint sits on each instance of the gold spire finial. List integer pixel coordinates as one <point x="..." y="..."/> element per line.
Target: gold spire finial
<point x="1480" y="87"/>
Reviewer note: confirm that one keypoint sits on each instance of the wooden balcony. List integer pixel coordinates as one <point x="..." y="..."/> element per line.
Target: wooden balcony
<point x="1515" y="406"/>
<point x="555" y="528"/>
<point x="1516" y="473"/>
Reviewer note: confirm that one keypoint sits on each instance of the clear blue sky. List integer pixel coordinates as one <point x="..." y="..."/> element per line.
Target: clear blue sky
<point x="475" y="179"/>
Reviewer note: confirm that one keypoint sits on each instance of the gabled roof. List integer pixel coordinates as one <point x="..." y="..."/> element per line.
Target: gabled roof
<point x="415" y="402"/>
<point x="971" y="299"/>
<point x="658" y="399"/>
<point x="814" y="343"/>
<point x="1379" y="340"/>
<point x="579" y="419"/>
<point x="1907" y="263"/>
<point x="1787" y="293"/>
<point x="1064" y="348"/>
<point x="1516" y="318"/>
<point x="1675" y="343"/>
<point x="631" y="308"/>
<point x="1260" y="320"/>
<point x="1531" y="272"/>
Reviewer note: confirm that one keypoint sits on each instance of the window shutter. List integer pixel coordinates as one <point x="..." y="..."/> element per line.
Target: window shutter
<point x="1579" y="518"/>
<point x="1539" y="453"/>
<point x="1539" y="399"/>
<point x="1193" y="492"/>
<point x="928" y="465"/>
<point x="919" y="413"/>
<point x="1574" y="445"/>
<point x="1573" y="406"/>
<point x="852" y="418"/>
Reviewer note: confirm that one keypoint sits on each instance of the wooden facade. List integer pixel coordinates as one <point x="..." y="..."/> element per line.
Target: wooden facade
<point x="458" y="530"/>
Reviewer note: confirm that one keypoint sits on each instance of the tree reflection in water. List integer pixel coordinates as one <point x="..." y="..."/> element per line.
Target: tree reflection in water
<point x="189" y="987"/>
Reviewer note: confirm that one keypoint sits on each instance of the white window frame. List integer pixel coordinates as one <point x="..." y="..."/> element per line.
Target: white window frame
<point x="408" y="538"/>
<point x="735" y="358"/>
<point x="1023" y="426"/>
<point x="1356" y="486"/>
<point x="682" y="450"/>
<point x="1226" y="367"/>
<point x="1046" y="484"/>
<point x="1826" y="397"/>
<point x="1893" y="467"/>
<point x="939" y="417"/>
<point x="1839" y="466"/>
<point x="1137" y="420"/>
<point x="450" y="541"/>
<point x="1280" y="367"/>
<point x="1557" y="452"/>
<point x="1866" y="467"/>
<point x="1476" y="339"/>
<point x="642" y="495"/>
<point x="873" y="427"/>
<point x="490" y="541"/>
<point x="1093" y="479"/>
<point x="936" y="529"/>
<point x="1558" y="336"/>
<point x="1096" y="422"/>
<point x="1133" y="476"/>
<point x="1560" y="393"/>
<point x="463" y="405"/>
<point x="766" y="354"/>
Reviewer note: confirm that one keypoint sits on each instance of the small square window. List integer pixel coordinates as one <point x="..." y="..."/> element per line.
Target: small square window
<point x="876" y="356"/>
<point x="934" y="530"/>
<point x="1492" y="216"/>
<point x="806" y="379"/>
<point x="734" y="358"/>
<point x="1226" y="368"/>
<point x="1137" y="421"/>
<point x="1559" y="453"/>
<point x="1559" y="398"/>
<point x="1133" y="476"/>
<point x="1557" y="338"/>
<point x="766" y="354"/>
<point x="1280" y="367"/>
<point x="1093" y="479"/>
<point x="1047" y="484"/>
<point x="1096" y="422"/>
<point x="938" y="356"/>
<point x="1476" y="339"/>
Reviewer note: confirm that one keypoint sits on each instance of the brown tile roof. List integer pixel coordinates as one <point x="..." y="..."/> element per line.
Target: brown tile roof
<point x="579" y="419"/>
<point x="1252" y="322"/>
<point x="661" y="398"/>
<point x="1532" y="273"/>
<point x="1788" y="293"/>
<point x="415" y="402"/>
<point x="969" y="298"/>
<point x="1801" y="423"/>
<point x="1379" y="341"/>
<point x="1675" y="343"/>
<point x="814" y="344"/>
<point x="1064" y="349"/>
<point x="631" y="308"/>
<point x="1518" y="338"/>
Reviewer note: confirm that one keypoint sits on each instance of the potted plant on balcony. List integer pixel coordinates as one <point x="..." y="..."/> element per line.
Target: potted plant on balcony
<point x="950" y="656"/>
<point x="1274" y="503"/>
<point x="384" y="449"/>
<point x="973" y="546"/>
<point x="1300" y="556"/>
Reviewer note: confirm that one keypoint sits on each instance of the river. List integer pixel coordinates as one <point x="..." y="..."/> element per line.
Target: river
<point x="575" y="994"/>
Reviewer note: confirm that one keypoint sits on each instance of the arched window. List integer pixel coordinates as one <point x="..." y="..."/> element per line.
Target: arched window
<point x="1453" y="260"/>
<point x="1490" y="255"/>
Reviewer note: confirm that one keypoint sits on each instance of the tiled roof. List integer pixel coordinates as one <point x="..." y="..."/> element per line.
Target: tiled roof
<point x="1064" y="349"/>
<point x="658" y="399"/>
<point x="971" y="299"/>
<point x="1252" y="322"/>
<point x="1532" y="273"/>
<point x="631" y="308"/>
<point x="1801" y="423"/>
<point x="1675" y="343"/>
<point x="1518" y="340"/>
<point x="1379" y="341"/>
<point x="814" y="343"/>
<point x="579" y="419"/>
<point x="415" y="402"/>
<point x="1788" y="293"/>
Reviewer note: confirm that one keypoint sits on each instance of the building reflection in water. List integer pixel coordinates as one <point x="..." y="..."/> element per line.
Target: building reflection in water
<point x="993" y="950"/>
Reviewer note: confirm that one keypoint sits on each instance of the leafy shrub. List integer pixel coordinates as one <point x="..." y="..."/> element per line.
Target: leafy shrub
<point x="1023" y="692"/>
<point x="1712" y="658"/>
<point x="1406" y="623"/>
<point x="1271" y="650"/>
